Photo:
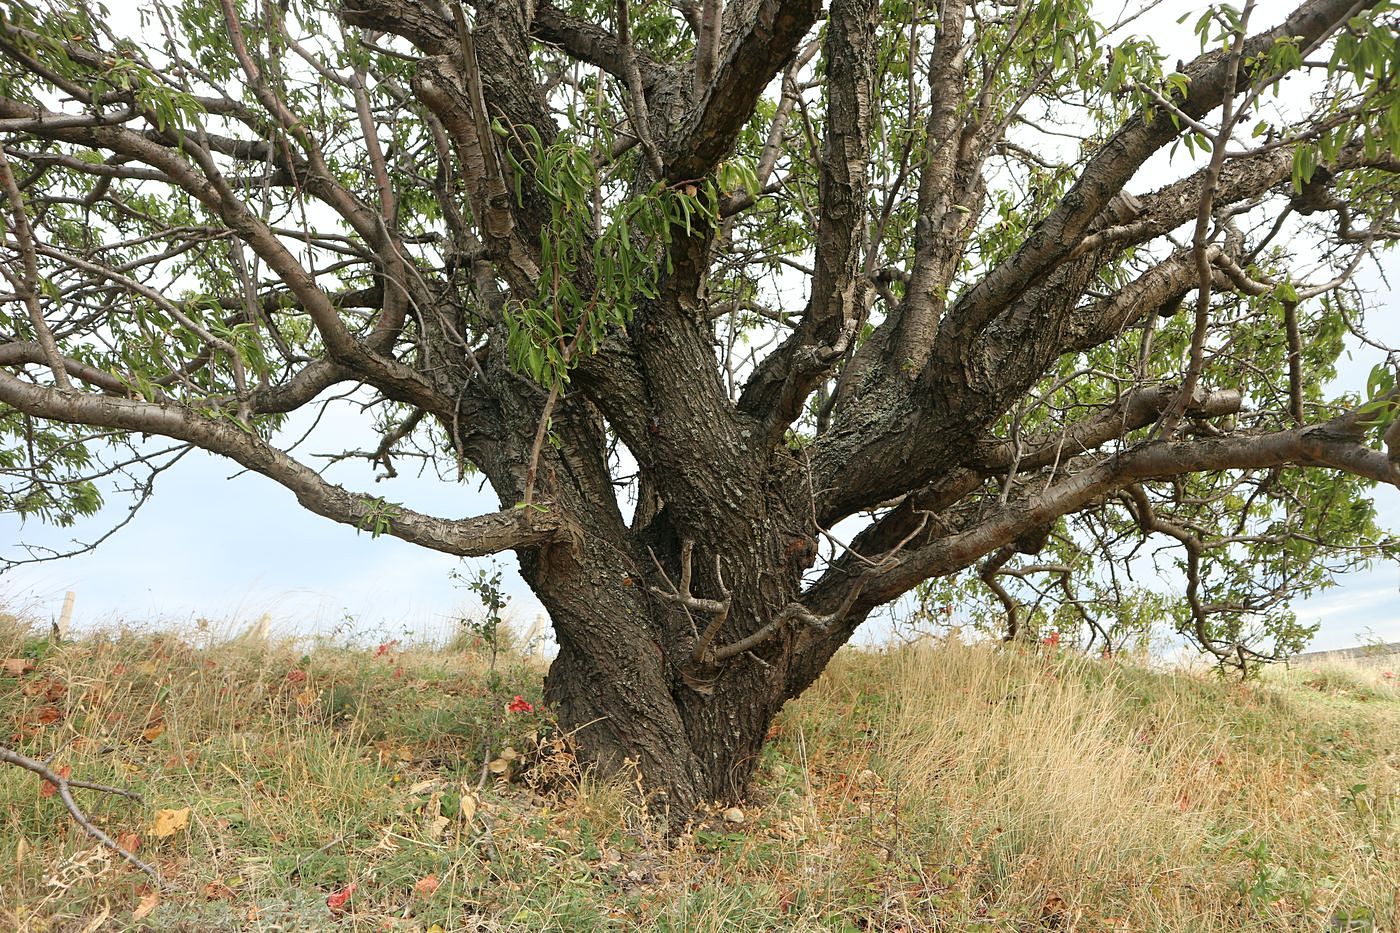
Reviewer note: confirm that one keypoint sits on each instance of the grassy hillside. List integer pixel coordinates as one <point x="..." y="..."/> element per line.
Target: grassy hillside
<point x="935" y="787"/>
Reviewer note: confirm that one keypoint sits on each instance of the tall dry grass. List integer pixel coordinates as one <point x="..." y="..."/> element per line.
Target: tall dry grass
<point x="1040" y="788"/>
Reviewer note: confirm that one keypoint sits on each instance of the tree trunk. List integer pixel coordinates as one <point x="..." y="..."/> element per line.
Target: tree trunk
<point x="692" y="730"/>
<point x="643" y="680"/>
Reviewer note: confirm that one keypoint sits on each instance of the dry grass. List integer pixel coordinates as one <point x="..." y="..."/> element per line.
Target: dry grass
<point x="937" y="787"/>
<point x="1052" y="790"/>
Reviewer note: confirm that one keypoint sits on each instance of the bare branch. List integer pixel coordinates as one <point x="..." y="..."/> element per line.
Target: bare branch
<point x="65" y="793"/>
<point x="485" y="534"/>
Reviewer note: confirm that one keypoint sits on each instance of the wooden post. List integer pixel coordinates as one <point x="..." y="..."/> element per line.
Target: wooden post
<point x="65" y="618"/>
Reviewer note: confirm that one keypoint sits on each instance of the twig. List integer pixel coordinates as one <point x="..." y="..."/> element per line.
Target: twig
<point x="1200" y="239"/>
<point x="682" y="596"/>
<point x="10" y="756"/>
<point x="792" y="612"/>
<point x="27" y="283"/>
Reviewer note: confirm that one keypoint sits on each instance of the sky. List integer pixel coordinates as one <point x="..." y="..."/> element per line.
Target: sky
<point x="229" y="546"/>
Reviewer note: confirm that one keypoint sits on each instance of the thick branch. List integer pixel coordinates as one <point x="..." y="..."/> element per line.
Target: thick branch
<point x="1331" y="445"/>
<point x="765" y="44"/>
<point x="472" y="537"/>
<point x="1124" y="153"/>
<point x="589" y="43"/>
<point x="783" y="381"/>
<point x="1136" y="409"/>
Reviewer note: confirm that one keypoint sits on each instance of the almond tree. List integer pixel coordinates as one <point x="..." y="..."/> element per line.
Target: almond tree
<point x="691" y="284"/>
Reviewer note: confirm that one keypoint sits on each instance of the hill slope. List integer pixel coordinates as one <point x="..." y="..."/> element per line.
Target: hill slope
<point x="936" y="787"/>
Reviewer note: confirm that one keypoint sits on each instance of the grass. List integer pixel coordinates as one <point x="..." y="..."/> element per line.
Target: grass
<point x="941" y="786"/>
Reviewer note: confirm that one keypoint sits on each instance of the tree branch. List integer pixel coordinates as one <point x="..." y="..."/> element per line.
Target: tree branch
<point x="65" y="793"/>
<point x="720" y="108"/>
<point x="780" y="385"/>
<point x="472" y="537"/>
<point x="1120" y="157"/>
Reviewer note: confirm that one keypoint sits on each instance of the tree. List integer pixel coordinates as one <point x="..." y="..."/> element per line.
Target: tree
<point x="691" y="284"/>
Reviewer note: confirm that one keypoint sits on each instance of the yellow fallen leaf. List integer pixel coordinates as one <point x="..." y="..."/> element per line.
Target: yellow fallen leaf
<point x="307" y="698"/>
<point x="148" y="904"/>
<point x="387" y="844"/>
<point x="170" y="822"/>
<point x="468" y="807"/>
<point x="435" y="928"/>
<point x="440" y="824"/>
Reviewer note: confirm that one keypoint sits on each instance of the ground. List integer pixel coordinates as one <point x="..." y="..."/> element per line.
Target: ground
<point x="340" y="785"/>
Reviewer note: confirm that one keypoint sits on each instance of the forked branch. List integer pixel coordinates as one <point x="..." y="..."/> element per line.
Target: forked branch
<point x="65" y="793"/>
<point x="681" y="595"/>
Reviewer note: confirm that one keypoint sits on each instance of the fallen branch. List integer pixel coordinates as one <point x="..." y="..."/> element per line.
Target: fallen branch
<point x="64" y="786"/>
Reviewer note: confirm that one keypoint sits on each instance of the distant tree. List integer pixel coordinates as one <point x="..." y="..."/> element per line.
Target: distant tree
<point x="691" y="284"/>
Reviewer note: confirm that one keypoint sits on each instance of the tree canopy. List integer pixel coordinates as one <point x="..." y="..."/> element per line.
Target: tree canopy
<point x="1024" y="303"/>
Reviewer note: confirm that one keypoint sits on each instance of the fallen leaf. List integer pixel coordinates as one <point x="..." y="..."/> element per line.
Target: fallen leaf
<point x="18" y="667"/>
<point x="153" y="732"/>
<point x="733" y="815"/>
<point x="148" y="904"/>
<point x="435" y="928"/>
<point x="440" y="824"/>
<point x="426" y="886"/>
<point x="337" y="902"/>
<point x="48" y="789"/>
<point x="129" y="841"/>
<point x="218" y="891"/>
<point x="170" y="822"/>
<point x="468" y="807"/>
<point x="49" y="714"/>
<point x="307" y="698"/>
